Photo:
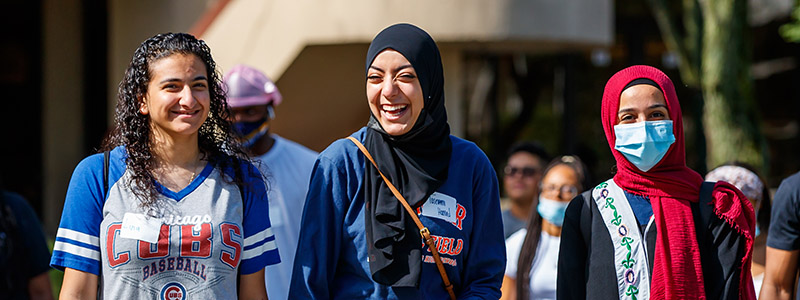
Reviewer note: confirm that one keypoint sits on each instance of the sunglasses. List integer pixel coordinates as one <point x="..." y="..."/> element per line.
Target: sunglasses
<point x="525" y="171"/>
<point x="567" y="190"/>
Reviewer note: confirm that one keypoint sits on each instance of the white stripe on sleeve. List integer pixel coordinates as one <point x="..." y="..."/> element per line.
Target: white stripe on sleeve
<point x="78" y="236"/>
<point x="268" y="246"/>
<point x="77" y="250"/>
<point x="253" y="239"/>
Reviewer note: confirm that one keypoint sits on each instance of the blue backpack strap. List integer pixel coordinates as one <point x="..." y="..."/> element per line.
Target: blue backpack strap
<point x="706" y="203"/>
<point x="106" y="157"/>
<point x="702" y="212"/>
<point x="586" y="223"/>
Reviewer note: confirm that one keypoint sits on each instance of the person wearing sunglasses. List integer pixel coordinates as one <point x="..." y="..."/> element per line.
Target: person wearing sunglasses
<point x="531" y="266"/>
<point x="522" y="176"/>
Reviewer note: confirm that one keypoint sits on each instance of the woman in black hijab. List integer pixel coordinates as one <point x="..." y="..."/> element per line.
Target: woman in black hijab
<point x="357" y="240"/>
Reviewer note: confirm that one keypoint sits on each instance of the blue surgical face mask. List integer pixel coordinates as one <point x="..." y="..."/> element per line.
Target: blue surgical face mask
<point x="644" y="144"/>
<point x="552" y="210"/>
<point x="250" y="132"/>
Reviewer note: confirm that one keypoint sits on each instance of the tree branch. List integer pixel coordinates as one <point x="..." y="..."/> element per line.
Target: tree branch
<point x="675" y="41"/>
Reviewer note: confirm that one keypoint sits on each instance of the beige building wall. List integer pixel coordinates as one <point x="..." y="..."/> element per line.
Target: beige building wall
<point x="315" y="50"/>
<point x="271" y="33"/>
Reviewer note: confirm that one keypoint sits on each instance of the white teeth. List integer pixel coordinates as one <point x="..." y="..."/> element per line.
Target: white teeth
<point x="393" y="108"/>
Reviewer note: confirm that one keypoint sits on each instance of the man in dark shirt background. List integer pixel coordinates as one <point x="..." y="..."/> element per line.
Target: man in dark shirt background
<point x="783" y="242"/>
<point x="24" y="257"/>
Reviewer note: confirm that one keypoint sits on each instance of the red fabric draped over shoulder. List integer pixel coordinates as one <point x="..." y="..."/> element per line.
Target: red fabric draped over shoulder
<point x="731" y="205"/>
<point x="671" y="187"/>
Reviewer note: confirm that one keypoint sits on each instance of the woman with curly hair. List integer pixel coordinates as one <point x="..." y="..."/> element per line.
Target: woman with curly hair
<point x="172" y="209"/>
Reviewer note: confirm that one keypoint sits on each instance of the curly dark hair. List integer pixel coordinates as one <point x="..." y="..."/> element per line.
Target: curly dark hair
<point x="216" y="140"/>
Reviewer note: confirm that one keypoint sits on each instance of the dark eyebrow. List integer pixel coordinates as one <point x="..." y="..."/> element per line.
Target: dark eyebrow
<point x="169" y="80"/>
<point x="201" y="77"/>
<point x="398" y="69"/>
<point x="654" y="106"/>
<point x="402" y="67"/>
<point x="625" y="110"/>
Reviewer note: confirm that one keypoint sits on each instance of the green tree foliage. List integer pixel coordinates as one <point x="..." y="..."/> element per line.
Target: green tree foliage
<point x="713" y="48"/>
<point x="791" y="31"/>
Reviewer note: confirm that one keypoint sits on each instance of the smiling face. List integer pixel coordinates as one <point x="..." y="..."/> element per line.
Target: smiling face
<point x="394" y="92"/>
<point x="641" y="103"/>
<point x="177" y="97"/>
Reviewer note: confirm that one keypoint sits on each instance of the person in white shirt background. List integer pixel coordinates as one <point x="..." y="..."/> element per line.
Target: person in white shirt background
<point x="287" y="165"/>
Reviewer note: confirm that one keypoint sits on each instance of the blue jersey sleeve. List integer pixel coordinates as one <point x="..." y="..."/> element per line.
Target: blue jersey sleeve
<point x="260" y="248"/>
<point x="483" y="271"/>
<point x="77" y="244"/>
<point x="319" y="245"/>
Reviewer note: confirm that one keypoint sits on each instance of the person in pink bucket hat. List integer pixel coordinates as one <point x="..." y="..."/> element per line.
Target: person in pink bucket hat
<point x="252" y="97"/>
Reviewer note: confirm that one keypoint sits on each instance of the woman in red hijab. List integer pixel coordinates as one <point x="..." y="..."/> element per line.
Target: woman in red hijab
<point x="655" y="230"/>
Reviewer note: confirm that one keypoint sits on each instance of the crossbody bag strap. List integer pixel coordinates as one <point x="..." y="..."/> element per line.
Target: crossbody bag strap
<point x="426" y="234"/>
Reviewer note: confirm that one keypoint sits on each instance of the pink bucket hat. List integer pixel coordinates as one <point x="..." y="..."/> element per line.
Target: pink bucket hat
<point x="247" y="86"/>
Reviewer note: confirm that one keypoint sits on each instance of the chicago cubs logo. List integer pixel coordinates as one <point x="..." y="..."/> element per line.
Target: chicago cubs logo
<point x="173" y="291"/>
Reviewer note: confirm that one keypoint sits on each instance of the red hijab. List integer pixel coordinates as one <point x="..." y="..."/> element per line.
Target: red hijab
<point x="671" y="186"/>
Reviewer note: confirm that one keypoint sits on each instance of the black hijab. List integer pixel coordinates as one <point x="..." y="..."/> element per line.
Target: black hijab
<point x="415" y="162"/>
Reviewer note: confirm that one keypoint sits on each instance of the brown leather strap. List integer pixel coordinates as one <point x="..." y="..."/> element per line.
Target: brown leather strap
<point x="426" y="234"/>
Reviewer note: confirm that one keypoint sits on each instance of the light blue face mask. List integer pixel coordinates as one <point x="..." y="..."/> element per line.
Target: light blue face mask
<point x="644" y="144"/>
<point x="552" y="210"/>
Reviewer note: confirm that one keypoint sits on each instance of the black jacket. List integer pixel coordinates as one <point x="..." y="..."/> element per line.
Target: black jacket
<point x="586" y="258"/>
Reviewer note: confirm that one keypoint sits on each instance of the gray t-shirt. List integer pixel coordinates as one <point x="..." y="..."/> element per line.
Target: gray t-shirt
<point x="207" y="234"/>
<point x="511" y="224"/>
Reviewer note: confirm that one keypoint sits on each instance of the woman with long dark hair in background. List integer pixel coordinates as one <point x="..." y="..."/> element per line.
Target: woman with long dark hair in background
<point x="532" y="259"/>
